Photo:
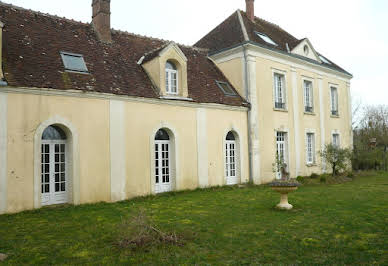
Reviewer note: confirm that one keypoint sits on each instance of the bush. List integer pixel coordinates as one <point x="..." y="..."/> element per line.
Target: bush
<point x="350" y="174"/>
<point x="322" y="179"/>
<point x="336" y="157"/>
<point x="314" y="175"/>
<point x="300" y="179"/>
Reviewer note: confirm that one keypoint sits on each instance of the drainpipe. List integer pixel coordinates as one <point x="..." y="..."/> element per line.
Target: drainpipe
<point x="248" y="113"/>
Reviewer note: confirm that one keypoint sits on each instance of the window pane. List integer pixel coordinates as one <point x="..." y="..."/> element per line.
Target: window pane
<point x="74" y="62"/>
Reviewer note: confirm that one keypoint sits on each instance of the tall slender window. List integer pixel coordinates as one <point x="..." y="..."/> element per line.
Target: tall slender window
<point x="334" y="101"/>
<point x="281" y="149"/>
<point x="230" y="159"/>
<point x="53" y="164"/>
<point x="336" y="139"/>
<point x="308" y="96"/>
<point x="162" y="162"/>
<point x="280" y="94"/>
<point x="310" y="150"/>
<point x="171" y="78"/>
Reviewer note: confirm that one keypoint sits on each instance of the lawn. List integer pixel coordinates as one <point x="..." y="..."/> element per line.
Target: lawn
<point x="330" y="224"/>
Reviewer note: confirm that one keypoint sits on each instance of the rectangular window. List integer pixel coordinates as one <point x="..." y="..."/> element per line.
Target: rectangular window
<point x="74" y="62"/>
<point x="310" y="149"/>
<point x="308" y="96"/>
<point x="281" y="149"/>
<point x="336" y="139"/>
<point x="334" y="101"/>
<point x="280" y="94"/>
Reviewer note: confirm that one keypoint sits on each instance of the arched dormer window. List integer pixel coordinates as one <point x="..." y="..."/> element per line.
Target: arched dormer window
<point x="171" y="78"/>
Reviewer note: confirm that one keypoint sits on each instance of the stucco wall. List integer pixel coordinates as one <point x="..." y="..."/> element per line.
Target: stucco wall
<point x="122" y="167"/>
<point x="294" y="120"/>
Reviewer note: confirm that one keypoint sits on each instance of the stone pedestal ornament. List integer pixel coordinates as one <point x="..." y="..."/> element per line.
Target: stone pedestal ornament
<point x="284" y="185"/>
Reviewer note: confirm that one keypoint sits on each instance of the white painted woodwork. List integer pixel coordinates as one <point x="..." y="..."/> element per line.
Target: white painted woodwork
<point x="3" y="152"/>
<point x="202" y="148"/>
<point x="118" y="174"/>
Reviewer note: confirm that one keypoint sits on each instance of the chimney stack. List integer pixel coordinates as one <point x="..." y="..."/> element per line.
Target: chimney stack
<point x="101" y="20"/>
<point x="250" y="9"/>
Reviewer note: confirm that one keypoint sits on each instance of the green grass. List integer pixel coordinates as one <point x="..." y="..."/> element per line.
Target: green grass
<point x="330" y="224"/>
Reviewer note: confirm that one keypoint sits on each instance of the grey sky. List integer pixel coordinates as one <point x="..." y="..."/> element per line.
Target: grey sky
<point x="352" y="33"/>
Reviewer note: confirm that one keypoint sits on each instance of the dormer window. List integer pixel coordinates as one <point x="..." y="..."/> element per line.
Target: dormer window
<point x="171" y="78"/>
<point x="265" y="38"/>
<point x="74" y="62"/>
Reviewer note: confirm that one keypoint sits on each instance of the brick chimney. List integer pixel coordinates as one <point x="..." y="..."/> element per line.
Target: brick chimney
<point x="250" y="9"/>
<point x="101" y="20"/>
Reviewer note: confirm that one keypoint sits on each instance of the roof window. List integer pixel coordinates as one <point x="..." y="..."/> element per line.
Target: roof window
<point x="266" y="38"/>
<point x="324" y="60"/>
<point x="226" y="89"/>
<point x="74" y="62"/>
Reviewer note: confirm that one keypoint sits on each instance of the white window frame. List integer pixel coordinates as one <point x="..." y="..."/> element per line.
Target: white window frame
<point x="308" y="102"/>
<point x="310" y="155"/>
<point x="286" y="149"/>
<point x="334" y="100"/>
<point x="55" y="197"/>
<point x="169" y="74"/>
<point x="283" y="90"/>
<point x="336" y="133"/>
<point x="161" y="186"/>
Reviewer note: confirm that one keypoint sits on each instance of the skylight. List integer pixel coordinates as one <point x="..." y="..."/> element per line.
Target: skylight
<point x="266" y="38"/>
<point x="74" y="62"/>
<point x="226" y="89"/>
<point x="324" y="60"/>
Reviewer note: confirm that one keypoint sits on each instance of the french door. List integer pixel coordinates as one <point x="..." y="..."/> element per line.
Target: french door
<point x="230" y="160"/>
<point x="54" y="185"/>
<point x="281" y="149"/>
<point x="162" y="166"/>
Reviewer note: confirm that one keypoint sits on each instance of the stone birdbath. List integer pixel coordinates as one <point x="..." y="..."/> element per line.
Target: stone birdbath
<point x="284" y="185"/>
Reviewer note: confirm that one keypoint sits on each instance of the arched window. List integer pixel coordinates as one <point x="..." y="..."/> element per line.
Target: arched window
<point x="53" y="164"/>
<point x="231" y="159"/>
<point x="171" y="78"/>
<point x="162" y="162"/>
<point x="230" y="136"/>
<point x="53" y="133"/>
<point x="162" y="135"/>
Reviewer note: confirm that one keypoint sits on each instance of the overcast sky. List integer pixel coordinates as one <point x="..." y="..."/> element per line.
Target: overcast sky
<point x="352" y="33"/>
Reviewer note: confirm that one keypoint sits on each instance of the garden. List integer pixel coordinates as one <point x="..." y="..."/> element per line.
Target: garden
<point x="335" y="220"/>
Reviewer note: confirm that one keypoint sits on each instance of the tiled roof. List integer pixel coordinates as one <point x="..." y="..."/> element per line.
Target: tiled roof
<point x="230" y="34"/>
<point x="32" y="43"/>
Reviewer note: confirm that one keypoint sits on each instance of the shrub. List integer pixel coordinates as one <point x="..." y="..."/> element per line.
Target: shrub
<point x="322" y="179"/>
<point x="300" y="179"/>
<point x="336" y="157"/>
<point x="314" y="175"/>
<point x="350" y="174"/>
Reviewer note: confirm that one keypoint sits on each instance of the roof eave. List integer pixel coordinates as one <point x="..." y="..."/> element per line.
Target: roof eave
<point x="344" y="72"/>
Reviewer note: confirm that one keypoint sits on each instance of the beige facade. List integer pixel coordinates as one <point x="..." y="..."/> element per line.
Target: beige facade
<point x="294" y="121"/>
<point x="123" y="166"/>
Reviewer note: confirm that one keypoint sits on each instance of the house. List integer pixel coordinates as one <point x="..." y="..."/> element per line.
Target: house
<point x="90" y="114"/>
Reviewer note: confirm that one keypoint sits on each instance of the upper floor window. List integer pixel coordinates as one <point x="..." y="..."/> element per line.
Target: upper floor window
<point x="308" y="96"/>
<point x="310" y="149"/>
<point x="336" y="139"/>
<point x="74" y="62"/>
<point x="171" y="78"/>
<point x="334" y="101"/>
<point x="280" y="92"/>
